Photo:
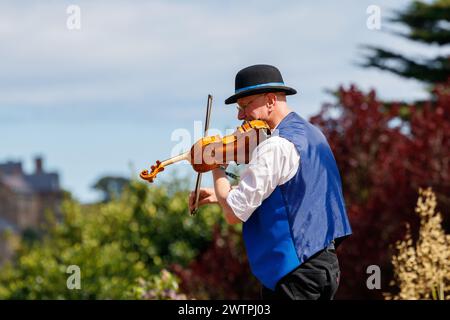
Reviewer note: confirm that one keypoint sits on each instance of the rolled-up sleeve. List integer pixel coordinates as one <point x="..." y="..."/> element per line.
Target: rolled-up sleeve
<point x="273" y="162"/>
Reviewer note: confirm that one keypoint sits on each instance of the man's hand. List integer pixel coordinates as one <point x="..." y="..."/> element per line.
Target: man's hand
<point x="206" y="196"/>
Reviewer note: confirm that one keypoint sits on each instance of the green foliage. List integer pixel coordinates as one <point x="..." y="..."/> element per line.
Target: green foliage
<point x="162" y="287"/>
<point x="120" y="246"/>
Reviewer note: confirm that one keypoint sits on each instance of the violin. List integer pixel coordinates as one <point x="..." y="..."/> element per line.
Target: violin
<point x="211" y="152"/>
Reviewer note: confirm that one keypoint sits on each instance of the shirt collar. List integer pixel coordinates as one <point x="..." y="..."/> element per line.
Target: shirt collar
<point x="275" y="131"/>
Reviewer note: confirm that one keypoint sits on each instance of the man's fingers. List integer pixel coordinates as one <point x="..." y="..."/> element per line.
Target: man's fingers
<point x="191" y="200"/>
<point x="204" y="198"/>
<point x="203" y="193"/>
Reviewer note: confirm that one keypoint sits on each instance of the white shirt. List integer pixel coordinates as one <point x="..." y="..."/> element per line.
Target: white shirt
<point x="273" y="162"/>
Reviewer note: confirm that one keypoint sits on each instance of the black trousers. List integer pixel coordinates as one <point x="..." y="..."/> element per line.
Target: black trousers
<point x="315" y="279"/>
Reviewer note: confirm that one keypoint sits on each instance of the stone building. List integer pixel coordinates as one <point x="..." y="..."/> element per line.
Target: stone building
<point x="25" y="198"/>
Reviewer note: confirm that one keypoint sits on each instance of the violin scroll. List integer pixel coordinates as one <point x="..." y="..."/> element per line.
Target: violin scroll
<point x="157" y="168"/>
<point x="160" y="165"/>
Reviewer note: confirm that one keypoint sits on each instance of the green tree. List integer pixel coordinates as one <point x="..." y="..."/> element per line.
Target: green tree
<point x="122" y="247"/>
<point x="111" y="187"/>
<point x="427" y="23"/>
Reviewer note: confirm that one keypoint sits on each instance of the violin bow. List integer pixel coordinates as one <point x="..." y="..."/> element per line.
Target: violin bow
<point x="199" y="175"/>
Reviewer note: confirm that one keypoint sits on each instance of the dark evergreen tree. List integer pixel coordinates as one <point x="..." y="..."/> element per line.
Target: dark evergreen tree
<point x="427" y="23"/>
<point x="111" y="187"/>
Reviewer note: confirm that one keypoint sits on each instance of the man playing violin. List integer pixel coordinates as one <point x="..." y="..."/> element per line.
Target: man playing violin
<point x="289" y="198"/>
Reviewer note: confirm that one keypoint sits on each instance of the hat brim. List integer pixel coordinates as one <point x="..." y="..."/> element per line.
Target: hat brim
<point x="287" y="90"/>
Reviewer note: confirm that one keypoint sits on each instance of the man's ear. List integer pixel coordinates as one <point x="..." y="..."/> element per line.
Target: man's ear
<point x="271" y="99"/>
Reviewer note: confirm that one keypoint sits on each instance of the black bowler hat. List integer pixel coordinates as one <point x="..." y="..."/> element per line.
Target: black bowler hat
<point x="260" y="78"/>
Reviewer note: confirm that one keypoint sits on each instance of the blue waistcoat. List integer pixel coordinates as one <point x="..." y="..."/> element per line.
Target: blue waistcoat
<point x="302" y="216"/>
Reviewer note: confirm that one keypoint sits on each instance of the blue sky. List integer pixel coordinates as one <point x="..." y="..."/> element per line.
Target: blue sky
<point x="105" y="99"/>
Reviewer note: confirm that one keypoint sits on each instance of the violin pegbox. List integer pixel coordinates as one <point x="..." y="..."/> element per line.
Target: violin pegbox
<point x="157" y="168"/>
